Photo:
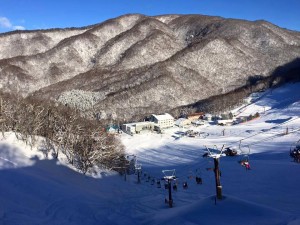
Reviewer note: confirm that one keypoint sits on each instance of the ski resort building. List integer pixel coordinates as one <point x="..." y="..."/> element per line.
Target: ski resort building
<point x="207" y="117"/>
<point x="157" y="122"/>
<point x="138" y="127"/>
<point x="198" y="122"/>
<point x="195" y="116"/>
<point x="162" y="121"/>
<point x="225" y="122"/>
<point x="181" y="122"/>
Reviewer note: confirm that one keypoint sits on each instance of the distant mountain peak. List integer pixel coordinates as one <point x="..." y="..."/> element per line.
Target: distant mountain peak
<point x="142" y="64"/>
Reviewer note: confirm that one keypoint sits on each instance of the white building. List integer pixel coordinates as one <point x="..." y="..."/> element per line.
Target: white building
<point x="198" y="122"/>
<point x="207" y="117"/>
<point x="138" y="127"/>
<point x="182" y="122"/>
<point x="225" y="122"/>
<point x="162" y="121"/>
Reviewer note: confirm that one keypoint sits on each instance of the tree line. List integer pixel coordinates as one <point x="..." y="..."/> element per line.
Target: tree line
<point x="228" y="101"/>
<point x="85" y="143"/>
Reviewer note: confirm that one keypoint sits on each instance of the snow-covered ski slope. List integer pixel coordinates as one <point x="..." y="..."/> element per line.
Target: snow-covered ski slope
<point x="38" y="191"/>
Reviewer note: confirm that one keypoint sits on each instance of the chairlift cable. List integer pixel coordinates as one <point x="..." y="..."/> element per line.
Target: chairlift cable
<point x="273" y="136"/>
<point x="265" y="131"/>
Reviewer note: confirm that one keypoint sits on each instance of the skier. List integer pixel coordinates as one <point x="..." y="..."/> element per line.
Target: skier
<point x="158" y="184"/>
<point x="198" y="180"/>
<point x="247" y="165"/>
<point x="175" y="187"/>
<point x="185" y="185"/>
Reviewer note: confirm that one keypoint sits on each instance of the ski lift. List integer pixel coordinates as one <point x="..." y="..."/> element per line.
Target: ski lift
<point x="169" y="176"/>
<point x="148" y="178"/>
<point x="152" y="181"/>
<point x="244" y="159"/>
<point x="174" y="187"/>
<point x="166" y="185"/>
<point x="138" y="171"/>
<point x="191" y="175"/>
<point x="198" y="180"/>
<point x="229" y="151"/>
<point x="198" y="177"/>
<point x="185" y="185"/>
<point x="295" y="151"/>
<point x="158" y="184"/>
<point x="138" y="167"/>
<point x="205" y="155"/>
<point x="131" y="159"/>
<point x="214" y="153"/>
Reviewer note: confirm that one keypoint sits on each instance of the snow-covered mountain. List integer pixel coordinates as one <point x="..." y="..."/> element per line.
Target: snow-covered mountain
<point x="139" y="65"/>
<point x="36" y="190"/>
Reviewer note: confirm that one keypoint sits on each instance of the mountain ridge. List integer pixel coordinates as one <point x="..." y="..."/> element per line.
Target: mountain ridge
<point x="141" y="65"/>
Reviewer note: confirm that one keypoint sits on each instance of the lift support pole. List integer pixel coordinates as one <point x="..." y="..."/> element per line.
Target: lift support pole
<point x="170" y="193"/>
<point x="217" y="178"/>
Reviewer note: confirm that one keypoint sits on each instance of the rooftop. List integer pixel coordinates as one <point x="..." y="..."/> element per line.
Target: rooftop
<point x="165" y="116"/>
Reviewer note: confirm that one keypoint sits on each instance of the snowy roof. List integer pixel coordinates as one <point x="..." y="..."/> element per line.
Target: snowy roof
<point x="165" y="116"/>
<point x="111" y="129"/>
<point x="138" y="123"/>
<point x="181" y="119"/>
<point x="198" y="122"/>
<point x="197" y="114"/>
<point x="177" y="122"/>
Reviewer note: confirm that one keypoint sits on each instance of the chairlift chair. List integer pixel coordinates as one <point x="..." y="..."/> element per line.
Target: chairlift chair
<point x="205" y="155"/>
<point x="244" y="158"/>
<point x="138" y="168"/>
<point x="295" y="151"/>
<point x="166" y="185"/>
<point x="185" y="185"/>
<point x="131" y="160"/>
<point x="175" y="187"/>
<point x="198" y="180"/>
<point x="230" y="151"/>
<point x="158" y="184"/>
<point x="198" y="176"/>
<point x="152" y="181"/>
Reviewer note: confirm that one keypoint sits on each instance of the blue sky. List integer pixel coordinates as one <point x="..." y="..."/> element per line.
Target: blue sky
<point x="43" y="14"/>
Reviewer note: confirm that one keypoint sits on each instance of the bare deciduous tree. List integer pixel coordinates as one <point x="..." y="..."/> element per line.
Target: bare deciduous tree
<point x="82" y="141"/>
